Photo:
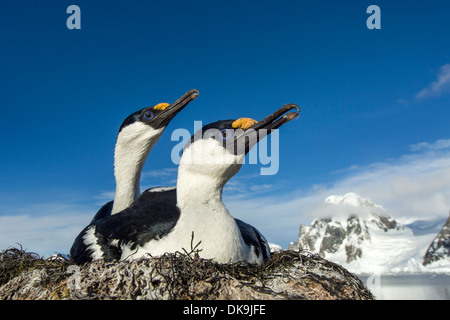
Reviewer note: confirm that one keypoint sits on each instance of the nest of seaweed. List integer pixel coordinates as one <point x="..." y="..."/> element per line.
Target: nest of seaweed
<point x="14" y="261"/>
<point x="286" y="275"/>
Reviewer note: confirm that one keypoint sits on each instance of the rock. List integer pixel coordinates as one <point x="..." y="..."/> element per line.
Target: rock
<point x="439" y="248"/>
<point x="310" y="237"/>
<point x="357" y="233"/>
<point x="333" y="238"/>
<point x="286" y="275"/>
<point x="385" y="222"/>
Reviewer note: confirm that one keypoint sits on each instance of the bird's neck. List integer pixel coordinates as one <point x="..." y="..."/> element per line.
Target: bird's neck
<point x="195" y="189"/>
<point x="129" y="160"/>
<point x="205" y="217"/>
<point x="127" y="186"/>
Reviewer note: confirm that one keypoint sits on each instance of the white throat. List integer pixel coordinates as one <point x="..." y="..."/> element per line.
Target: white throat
<point x="205" y="167"/>
<point x="133" y="145"/>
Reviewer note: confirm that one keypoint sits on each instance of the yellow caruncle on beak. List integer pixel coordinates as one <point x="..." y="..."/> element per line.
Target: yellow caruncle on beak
<point x="243" y="123"/>
<point x="161" y="106"/>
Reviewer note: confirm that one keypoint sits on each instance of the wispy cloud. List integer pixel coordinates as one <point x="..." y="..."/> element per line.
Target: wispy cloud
<point x="261" y="187"/>
<point x="247" y="186"/>
<point x="413" y="186"/>
<point x="158" y="178"/>
<point x="438" y="87"/>
<point x="162" y="173"/>
<point x="46" y="234"/>
<point x="104" y="196"/>
<point x="437" y="145"/>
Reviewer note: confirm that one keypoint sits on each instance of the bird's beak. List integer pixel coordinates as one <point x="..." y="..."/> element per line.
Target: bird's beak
<point x="244" y="140"/>
<point x="172" y="110"/>
<point x="278" y="118"/>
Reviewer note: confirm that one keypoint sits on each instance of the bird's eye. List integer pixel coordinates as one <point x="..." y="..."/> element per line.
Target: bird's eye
<point x="148" y="115"/>
<point x="226" y="134"/>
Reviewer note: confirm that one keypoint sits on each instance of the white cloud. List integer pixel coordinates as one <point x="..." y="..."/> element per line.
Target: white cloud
<point x="163" y="173"/>
<point x="437" y="145"/>
<point x="413" y="186"/>
<point x="244" y="186"/>
<point x="158" y="178"/>
<point x="104" y="197"/>
<point x="261" y="187"/>
<point x="438" y="87"/>
<point x="44" y="234"/>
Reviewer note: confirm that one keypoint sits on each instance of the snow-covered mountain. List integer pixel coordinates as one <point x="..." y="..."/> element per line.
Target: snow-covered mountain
<point x="364" y="238"/>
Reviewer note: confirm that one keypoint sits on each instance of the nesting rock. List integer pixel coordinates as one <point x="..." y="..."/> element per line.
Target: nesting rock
<point x="286" y="275"/>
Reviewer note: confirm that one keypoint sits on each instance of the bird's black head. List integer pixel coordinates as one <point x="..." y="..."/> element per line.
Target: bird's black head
<point x="159" y="116"/>
<point x="218" y="150"/>
<point x="238" y="136"/>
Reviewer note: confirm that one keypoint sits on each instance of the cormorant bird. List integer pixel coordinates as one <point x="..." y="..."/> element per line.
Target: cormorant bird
<point x="137" y="135"/>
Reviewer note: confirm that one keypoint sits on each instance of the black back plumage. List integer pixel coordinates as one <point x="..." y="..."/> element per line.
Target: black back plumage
<point x="150" y="217"/>
<point x="153" y="215"/>
<point x="104" y="211"/>
<point x="253" y="238"/>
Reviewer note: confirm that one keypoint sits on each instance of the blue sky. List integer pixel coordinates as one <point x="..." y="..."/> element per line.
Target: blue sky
<point x="374" y="104"/>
